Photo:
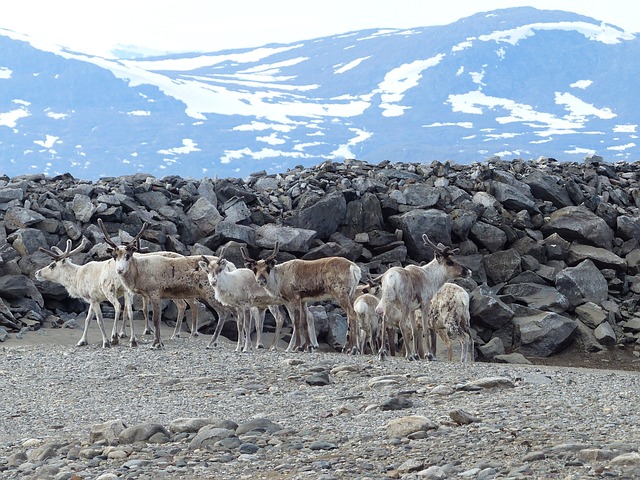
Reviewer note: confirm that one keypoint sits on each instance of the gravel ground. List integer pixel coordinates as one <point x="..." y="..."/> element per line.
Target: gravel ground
<point x="194" y="413"/>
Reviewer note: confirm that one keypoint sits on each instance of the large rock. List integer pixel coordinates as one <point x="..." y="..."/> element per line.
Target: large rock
<point x="435" y="223"/>
<point x="548" y="187"/>
<point x="582" y="283"/>
<point x="488" y="236"/>
<point x="542" y="334"/>
<point x="502" y="266"/>
<point x="581" y="224"/>
<point x="487" y="309"/>
<point x="205" y="215"/>
<point x="290" y="239"/>
<point x="324" y="216"/>
<point x="601" y="257"/>
<point x="535" y="295"/>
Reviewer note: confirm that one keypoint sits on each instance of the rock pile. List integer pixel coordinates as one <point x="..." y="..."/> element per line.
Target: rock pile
<point x="553" y="246"/>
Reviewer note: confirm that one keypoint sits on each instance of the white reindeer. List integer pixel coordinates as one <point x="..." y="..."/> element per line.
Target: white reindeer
<point x="296" y="282"/>
<point x="156" y="277"/>
<point x="449" y="317"/>
<point x="237" y="288"/>
<point x="404" y="290"/>
<point x="368" y="322"/>
<point x="94" y="282"/>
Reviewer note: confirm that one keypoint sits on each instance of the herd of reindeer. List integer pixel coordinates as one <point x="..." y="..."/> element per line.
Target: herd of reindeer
<point x="412" y="303"/>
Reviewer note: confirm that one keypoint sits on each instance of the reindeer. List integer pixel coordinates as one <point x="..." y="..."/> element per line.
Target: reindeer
<point x="94" y="282"/>
<point x="449" y="317"/>
<point x="156" y="277"/>
<point x="368" y="322"/>
<point x="406" y="289"/>
<point x="238" y="288"/>
<point x="296" y="282"/>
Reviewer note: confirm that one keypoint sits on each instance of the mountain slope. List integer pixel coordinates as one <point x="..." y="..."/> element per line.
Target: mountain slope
<point x="515" y="83"/>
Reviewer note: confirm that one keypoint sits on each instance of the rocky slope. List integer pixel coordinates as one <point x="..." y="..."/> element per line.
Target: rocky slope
<point x="553" y="246"/>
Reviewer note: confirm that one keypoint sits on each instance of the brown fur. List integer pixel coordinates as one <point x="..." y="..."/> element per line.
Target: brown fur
<point x="297" y="282"/>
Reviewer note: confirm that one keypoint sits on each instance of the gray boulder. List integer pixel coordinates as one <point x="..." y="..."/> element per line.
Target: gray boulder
<point x="487" y="309"/>
<point x="503" y="265"/>
<point x="324" y="216"/>
<point x="581" y="224"/>
<point x="601" y="257"/>
<point x="582" y="283"/>
<point x="488" y="236"/>
<point x="535" y="295"/>
<point x="435" y="223"/>
<point x="548" y="187"/>
<point x="542" y="334"/>
<point x="291" y="239"/>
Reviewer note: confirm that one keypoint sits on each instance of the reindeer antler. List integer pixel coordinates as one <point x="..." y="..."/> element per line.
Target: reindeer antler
<point x="245" y="254"/>
<point x="136" y="240"/>
<point x="440" y="248"/>
<point x="58" y="254"/>
<point x="135" y="243"/>
<point x="276" y="249"/>
<point x="107" y="238"/>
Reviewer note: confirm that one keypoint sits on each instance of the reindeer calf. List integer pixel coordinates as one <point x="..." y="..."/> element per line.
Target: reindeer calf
<point x="449" y="317"/>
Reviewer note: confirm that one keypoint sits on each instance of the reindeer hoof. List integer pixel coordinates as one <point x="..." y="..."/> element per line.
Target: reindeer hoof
<point x="82" y="343"/>
<point x="382" y="355"/>
<point x="115" y="340"/>
<point x="106" y="344"/>
<point x="157" y="346"/>
<point x="147" y="332"/>
<point x="133" y="343"/>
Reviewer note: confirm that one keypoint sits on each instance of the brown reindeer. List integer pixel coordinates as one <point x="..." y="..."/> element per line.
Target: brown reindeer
<point x="155" y="277"/>
<point x="296" y="282"/>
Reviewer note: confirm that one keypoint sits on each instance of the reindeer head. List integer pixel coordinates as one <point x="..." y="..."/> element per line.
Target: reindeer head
<point x="261" y="268"/>
<point x="55" y="269"/>
<point x="443" y="256"/>
<point x="122" y="254"/>
<point x="213" y="268"/>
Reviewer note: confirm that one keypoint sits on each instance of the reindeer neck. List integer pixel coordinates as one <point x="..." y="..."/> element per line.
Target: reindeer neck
<point x="436" y="272"/>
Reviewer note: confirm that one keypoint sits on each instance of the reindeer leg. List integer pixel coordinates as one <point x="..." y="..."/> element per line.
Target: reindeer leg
<point x="223" y="314"/>
<point x="182" y="307"/>
<point x="116" y="316"/>
<point x="148" y="321"/>
<point x="383" y="352"/>
<point x="246" y="327"/>
<point x="193" y="306"/>
<point x="311" y="329"/>
<point x="294" y="331"/>
<point x="105" y="339"/>
<point x="278" y="315"/>
<point x="259" y="314"/>
<point x="83" y="340"/>
<point x="128" y="311"/>
<point x="240" y="328"/>
<point x="156" y="304"/>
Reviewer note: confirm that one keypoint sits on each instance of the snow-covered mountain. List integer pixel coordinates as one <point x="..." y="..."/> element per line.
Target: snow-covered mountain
<point x="517" y="82"/>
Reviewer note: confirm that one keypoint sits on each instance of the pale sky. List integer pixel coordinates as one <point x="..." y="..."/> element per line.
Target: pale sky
<point x="212" y="25"/>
